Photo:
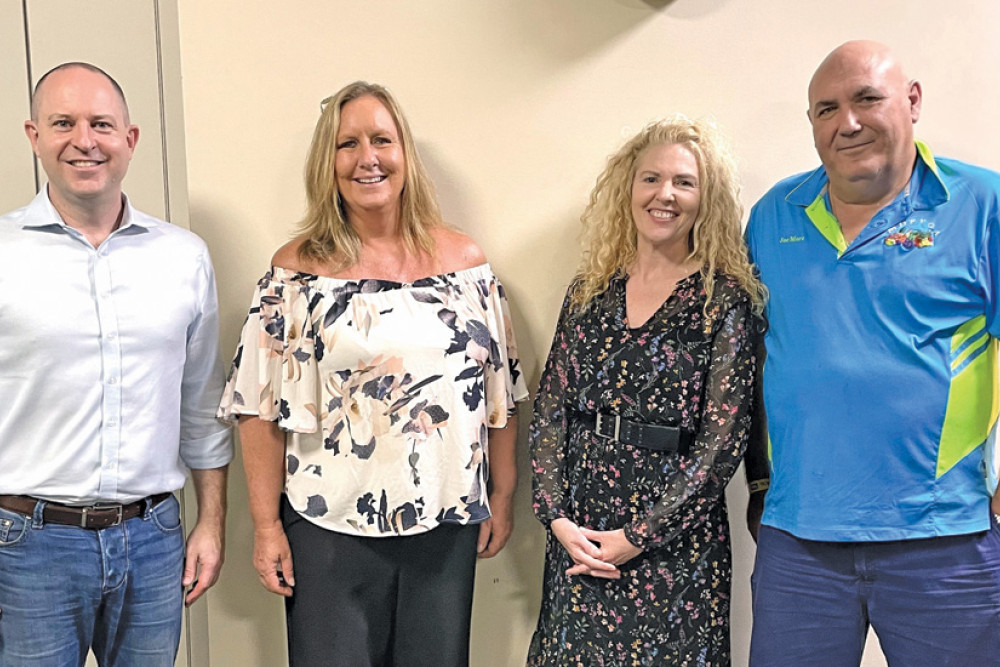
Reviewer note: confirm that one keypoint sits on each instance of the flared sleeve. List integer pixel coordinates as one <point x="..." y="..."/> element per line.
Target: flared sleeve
<point x="722" y="435"/>
<point x="503" y="381"/>
<point x="547" y="435"/>
<point x="274" y="372"/>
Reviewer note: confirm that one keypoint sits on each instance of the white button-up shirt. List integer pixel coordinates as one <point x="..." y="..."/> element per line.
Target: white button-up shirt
<point x="109" y="373"/>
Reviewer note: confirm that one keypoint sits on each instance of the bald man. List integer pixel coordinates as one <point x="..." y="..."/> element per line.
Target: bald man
<point x="109" y="382"/>
<point x="880" y="388"/>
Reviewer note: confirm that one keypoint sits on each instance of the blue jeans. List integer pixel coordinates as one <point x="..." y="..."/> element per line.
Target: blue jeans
<point x="932" y="602"/>
<point x="64" y="590"/>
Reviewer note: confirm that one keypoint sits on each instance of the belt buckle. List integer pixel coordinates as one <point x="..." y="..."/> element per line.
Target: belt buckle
<point x="96" y="507"/>
<point x="600" y="421"/>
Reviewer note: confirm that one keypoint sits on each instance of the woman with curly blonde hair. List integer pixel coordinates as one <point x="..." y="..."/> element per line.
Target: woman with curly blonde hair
<point x="643" y="411"/>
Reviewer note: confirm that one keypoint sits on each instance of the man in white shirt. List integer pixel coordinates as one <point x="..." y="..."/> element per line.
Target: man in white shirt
<point x="108" y="385"/>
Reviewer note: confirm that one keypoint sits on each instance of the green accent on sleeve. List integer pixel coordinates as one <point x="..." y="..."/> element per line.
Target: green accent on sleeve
<point x="969" y="351"/>
<point x="973" y="400"/>
<point x="827" y="225"/>
<point x="967" y="331"/>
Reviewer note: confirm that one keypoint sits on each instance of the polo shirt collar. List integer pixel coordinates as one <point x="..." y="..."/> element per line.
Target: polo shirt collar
<point x="927" y="189"/>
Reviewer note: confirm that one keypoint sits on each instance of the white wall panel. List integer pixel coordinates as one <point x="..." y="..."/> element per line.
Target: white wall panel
<point x="17" y="175"/>
<point x="120" y="37"/>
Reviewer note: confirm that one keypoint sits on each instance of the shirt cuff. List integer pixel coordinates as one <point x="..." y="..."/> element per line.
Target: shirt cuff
<point x="546" y="515"/>
<point x="636" y="535"/>
<point x="212" y="451"/>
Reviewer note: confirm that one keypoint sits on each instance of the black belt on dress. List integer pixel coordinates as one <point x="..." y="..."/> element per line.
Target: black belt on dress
<point x="645" y="436"/>
<point x="94" y="517"/>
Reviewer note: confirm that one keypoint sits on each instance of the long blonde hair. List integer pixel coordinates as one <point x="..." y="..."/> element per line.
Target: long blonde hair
<point x="326" y="230"/>
<point x="609" y="234"/>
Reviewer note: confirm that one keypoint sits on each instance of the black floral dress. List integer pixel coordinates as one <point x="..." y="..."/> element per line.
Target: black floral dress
<point x="671" y="605"/>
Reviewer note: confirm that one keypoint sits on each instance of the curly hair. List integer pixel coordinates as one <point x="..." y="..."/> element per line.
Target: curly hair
<point x="326" y="230"/>
<point x="609" y="233"/>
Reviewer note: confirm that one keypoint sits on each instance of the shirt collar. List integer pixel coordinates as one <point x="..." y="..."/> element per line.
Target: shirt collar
<point x="926" y="190"/>
<point x="41" y="213"/>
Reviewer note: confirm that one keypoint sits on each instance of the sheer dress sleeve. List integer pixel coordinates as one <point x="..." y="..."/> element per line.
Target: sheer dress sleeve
<point x="547" y="434"/>
<point x="721" y="439"/>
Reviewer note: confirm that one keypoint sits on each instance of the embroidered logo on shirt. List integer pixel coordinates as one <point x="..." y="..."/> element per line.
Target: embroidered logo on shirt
<point x="791" y="239"/>
<point x="912" y="234"/>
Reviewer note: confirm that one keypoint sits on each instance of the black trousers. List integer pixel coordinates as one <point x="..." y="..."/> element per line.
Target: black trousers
<point x="379" y="601"/>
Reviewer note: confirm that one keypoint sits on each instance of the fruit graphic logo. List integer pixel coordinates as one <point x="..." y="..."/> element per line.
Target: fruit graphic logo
<point x="912" y="235"/>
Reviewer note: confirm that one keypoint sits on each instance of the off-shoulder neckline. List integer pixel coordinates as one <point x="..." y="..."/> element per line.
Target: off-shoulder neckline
<point x="283" y="274"/>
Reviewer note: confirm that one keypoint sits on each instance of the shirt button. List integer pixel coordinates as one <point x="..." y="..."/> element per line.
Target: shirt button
<point x="112" y="336"/>
<point x="112" y="380"/>
<point x="111" y="423"/>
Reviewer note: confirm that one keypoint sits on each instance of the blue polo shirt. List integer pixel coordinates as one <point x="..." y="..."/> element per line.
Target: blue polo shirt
<point x="880" y="383"/>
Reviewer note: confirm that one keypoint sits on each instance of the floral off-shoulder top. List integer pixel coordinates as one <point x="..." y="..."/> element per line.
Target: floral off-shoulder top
<point x="385" y="390"/>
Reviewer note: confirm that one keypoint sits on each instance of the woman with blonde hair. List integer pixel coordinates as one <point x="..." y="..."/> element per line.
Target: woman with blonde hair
<point x="643" y="411"/>
<point x="375" y="381"/>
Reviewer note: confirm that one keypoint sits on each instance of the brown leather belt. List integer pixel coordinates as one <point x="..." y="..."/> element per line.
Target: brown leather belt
<point x="94" y="517"/>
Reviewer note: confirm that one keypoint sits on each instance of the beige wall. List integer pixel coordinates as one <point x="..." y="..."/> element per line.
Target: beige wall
<point x="515" y="105"/>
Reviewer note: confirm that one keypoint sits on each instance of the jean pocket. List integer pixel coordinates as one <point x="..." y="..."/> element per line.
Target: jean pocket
<point x="13" y="527"/>
<point x="167" y="515"/>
